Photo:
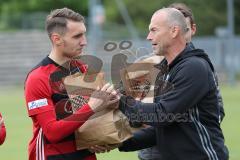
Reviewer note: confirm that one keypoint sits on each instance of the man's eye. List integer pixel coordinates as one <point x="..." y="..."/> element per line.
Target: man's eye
<point x="153" y="30"/>
<point x="78" y="36"/>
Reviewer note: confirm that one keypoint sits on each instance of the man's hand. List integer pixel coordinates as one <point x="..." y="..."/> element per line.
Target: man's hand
<point x="103" y="98"/>
<point x="103" y="148"/>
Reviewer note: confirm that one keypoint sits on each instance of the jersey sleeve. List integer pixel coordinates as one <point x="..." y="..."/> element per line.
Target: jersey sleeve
<point x="38" y="95"/>
<point x="55" y="130"/>
<point x="2" y="132"/>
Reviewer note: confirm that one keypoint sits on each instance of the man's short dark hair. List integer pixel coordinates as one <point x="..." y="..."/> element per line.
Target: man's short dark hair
<point x="186" y="11"/>
<point x="56" y="21"/>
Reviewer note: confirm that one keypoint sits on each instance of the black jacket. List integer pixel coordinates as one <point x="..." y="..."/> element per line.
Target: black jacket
<point x="185" y="113"/>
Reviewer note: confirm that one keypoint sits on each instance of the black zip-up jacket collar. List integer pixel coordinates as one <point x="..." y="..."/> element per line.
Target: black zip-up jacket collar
<point x="189" y="51"/>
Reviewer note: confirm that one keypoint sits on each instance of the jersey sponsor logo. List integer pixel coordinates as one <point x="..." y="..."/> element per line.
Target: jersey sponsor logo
<point x="37" y="104"/>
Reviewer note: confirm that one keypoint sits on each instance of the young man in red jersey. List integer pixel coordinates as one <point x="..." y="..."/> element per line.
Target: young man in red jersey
<point x="46" y="97"/>
<point x="2" y="130"/>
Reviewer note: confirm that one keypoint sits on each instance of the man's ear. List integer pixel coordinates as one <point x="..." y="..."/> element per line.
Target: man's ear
<point x="175" y="30"/>
<point x="194" y="29"/>
<point x="56" y="39"/>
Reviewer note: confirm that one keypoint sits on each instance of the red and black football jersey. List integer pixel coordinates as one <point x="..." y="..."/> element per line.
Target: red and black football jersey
<point x="53" y="122"/>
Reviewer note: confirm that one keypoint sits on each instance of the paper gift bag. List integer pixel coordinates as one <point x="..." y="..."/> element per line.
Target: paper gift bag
<point x="83" y="84"/>
<point x="139" y="78"/>
<point x="105" y="127"/>
<point x="80" y="86"/>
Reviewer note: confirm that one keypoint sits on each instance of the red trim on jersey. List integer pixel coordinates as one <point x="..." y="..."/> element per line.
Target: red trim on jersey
<point x="77" y="63"/>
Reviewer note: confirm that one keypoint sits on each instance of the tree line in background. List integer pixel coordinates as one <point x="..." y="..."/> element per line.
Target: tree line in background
<point x="25" y="14"/>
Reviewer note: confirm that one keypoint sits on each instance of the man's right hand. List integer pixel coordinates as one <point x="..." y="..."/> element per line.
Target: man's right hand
<point x="103" y="98"/>
<point x="103" y="148"/>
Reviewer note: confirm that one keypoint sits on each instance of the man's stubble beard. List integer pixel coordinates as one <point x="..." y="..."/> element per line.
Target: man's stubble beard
<point x="160" y="51"/>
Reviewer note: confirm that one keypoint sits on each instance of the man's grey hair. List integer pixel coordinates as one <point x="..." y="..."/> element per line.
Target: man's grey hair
<point x="175" y="18"/>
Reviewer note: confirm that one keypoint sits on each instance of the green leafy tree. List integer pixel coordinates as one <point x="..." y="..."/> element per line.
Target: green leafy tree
<point x="208" y="14"/>
<point x="24" y="13"/>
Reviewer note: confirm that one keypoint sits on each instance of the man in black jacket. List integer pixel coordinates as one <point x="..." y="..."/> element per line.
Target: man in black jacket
<point x="152" y="153"/>
<point x="185" y="112"/>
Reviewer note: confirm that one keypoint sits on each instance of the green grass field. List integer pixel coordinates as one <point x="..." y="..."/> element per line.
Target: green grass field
<point x="18" y="125"/>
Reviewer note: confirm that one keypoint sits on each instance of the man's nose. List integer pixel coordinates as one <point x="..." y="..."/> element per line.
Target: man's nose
<point x="149" y="36"/>
<point x="83" y="41"/>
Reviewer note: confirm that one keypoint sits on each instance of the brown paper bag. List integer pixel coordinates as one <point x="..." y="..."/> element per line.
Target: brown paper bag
<point x="80" y="87"/>
<point x="139" y="78"/>
<point x="105" y="127"/>
<point x="83" y="84"/>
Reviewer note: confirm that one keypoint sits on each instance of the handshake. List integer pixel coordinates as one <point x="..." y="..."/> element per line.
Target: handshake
<point x="111" y="124"/>
<point x="104" y="98"/>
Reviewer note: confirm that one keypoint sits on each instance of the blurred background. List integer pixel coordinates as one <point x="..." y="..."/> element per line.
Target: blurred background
<point x="24" y="42"/>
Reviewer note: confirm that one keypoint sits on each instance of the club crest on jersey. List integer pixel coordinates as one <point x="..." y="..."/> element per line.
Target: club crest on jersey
<point x="37" y="104"/>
